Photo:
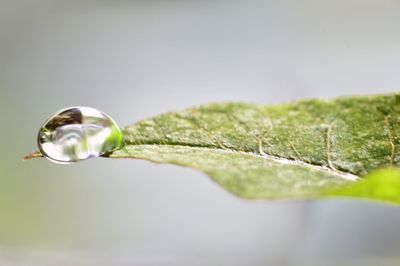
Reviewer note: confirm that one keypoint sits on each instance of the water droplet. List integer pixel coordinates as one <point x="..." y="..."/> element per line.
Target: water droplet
<point x="78" y="133"/>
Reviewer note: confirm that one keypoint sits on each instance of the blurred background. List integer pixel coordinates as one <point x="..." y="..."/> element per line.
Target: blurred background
<point x="136" y="59"/>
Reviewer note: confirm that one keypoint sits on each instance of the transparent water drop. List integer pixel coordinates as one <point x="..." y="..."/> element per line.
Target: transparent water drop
<point x="78" y="133"/>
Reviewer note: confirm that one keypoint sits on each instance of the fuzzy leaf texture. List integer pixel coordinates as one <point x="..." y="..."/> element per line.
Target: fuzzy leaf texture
<point x="301" y="150"/>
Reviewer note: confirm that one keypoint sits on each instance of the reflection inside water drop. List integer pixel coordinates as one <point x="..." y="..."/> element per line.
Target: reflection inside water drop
<point x="78" y="133"/>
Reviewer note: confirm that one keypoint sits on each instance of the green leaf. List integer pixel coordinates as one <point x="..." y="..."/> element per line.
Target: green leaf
<point x="305" y="149"/>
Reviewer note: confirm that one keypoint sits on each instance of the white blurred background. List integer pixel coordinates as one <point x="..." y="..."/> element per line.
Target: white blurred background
<point x="137" y="59"/>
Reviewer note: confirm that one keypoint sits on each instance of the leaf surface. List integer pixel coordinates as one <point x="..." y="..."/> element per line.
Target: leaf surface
<point x="304" y="149"/>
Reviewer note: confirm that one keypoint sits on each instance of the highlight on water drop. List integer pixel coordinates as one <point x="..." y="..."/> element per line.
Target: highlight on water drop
<point x="78" y="133"/>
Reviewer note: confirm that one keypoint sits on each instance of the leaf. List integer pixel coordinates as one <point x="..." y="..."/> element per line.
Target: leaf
<point x="305" y="149"/>
<point x="382" y="185"/>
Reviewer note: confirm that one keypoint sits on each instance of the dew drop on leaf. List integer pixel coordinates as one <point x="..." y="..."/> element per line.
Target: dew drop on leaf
<point x="78" y="133"/>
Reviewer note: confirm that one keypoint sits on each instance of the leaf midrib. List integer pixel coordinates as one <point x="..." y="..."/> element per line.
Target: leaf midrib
<point x="342" y="174"/>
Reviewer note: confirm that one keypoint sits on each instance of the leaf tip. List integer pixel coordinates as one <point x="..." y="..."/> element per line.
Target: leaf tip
<point x="32" y="155"/>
